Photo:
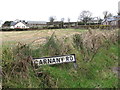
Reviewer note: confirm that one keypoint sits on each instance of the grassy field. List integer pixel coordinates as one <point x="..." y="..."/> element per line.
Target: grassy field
<point x="34" y="37"/>
<point x="96" y="54"/>
<point x="30" y="36"/>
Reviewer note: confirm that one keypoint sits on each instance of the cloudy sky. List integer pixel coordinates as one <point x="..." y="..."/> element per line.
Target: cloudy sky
<point x="43" y="9"/>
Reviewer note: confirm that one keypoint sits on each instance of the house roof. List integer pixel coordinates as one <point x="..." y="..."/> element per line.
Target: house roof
<point x="118" y="16"/>
<point x="7" y="23"/>
<point x="36" y="22"/>
<point x="14" y="23"/>
<point x="113" y="18"/>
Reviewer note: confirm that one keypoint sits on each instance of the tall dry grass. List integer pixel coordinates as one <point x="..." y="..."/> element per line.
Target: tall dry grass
<point x="90" y="42"/>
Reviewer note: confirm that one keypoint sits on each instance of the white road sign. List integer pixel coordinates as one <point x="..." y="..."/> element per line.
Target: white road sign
<point x="54" y="60"/>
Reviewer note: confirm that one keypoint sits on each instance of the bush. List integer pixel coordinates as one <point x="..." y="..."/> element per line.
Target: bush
<point x="17" y="68"/>
<point x="94" y="26"/>
<point x="52" y="46"/>
<point x="90" y="43"/>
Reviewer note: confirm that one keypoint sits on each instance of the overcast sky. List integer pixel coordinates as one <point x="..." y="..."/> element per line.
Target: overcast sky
<point x="41" y="10"/>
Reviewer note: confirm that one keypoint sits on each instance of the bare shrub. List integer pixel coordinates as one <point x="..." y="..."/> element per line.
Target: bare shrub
<point x="90" y="42"/>
<point x="21" y="69"/>
<point x="21" y="61"/>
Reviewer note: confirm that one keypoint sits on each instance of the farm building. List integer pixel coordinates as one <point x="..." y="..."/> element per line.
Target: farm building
<point x="55" y="24"/>
<point x="95" y="20"/>
<point x="22" y="24"/>
<point x="113" y="21"/>
<point x="36" y="24"/>
<point x="61" y="24"/>
<point x="70" y="24"/>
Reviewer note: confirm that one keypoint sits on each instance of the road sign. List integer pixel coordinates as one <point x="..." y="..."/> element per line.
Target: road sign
<point x="54" y="60"/>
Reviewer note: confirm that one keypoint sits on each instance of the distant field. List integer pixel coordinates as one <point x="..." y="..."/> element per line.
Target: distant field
<point x="37" y="35"/>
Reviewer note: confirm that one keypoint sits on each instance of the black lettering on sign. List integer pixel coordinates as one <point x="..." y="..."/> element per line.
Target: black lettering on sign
<point x="49" y="61"/>
<point x="40" y="62"/>
<point x="67" y="58"/>
<point x="53" y="60"/>
<point x="44" y="61"/>
<point x="62" y="59"/>
<point x="58" y="60"/>
<point x="71" y="58"/>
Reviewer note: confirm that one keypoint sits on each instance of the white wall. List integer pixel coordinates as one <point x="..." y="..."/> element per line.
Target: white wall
<point x="19" y="25"/>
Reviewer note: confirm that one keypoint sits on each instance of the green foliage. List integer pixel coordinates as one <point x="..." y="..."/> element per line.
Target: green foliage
<point x="18" y="71"/>
<point x="78" y="42"/>
<point x="52" y="46"/>
<point x="87" y="26"/>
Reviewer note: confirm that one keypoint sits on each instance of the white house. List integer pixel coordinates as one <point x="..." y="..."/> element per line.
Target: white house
<point x="20" y="25"/>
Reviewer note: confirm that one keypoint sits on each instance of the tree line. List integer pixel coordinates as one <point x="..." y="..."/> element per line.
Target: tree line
<point x="84" y="17"/>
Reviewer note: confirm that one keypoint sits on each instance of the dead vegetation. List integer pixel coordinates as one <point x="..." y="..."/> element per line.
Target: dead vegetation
<point x="17" y="61"/>
<point x="90" y="42"/>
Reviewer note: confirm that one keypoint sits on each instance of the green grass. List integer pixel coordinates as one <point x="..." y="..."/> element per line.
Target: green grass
<point x="94" y="74"/>
<point x="97" y="73"/>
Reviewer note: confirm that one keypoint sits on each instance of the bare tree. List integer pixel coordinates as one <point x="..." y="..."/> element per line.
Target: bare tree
<point x="52" y="18"/>
<point x="107" y="14"/>
<point x="62" y="22"/>
<point x="85" y="16"/>
<point x="68" y="22"/>
<point x="62" y="19"/>
<point x="110" y="15"/>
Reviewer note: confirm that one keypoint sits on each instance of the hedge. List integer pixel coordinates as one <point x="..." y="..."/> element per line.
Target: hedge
<point x="94" y="26"/>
